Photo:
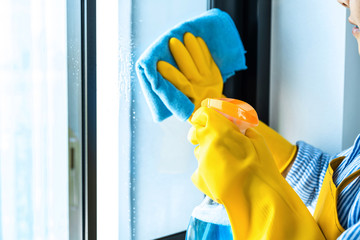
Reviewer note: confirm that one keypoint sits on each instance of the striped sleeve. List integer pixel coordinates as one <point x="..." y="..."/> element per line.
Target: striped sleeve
<point x="349" y="198"/>
<point x="351" y="233"/>
<point x="308" y="172"/>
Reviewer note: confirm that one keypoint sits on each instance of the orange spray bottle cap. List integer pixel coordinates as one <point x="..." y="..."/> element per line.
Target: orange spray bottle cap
<point x="242" y="114"/>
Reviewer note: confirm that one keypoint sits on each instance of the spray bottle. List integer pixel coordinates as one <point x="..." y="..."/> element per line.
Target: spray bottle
<point x="209" y="220"/>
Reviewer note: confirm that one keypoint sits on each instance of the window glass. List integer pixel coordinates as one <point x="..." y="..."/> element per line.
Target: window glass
<point x="33" y="120"/>
<point x="74" y="120"/>
<point x="144" y="168"/>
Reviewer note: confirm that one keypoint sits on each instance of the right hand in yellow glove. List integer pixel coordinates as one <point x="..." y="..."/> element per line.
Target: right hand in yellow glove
<point x="198" y="76"/>
<point x="239" y="172"/>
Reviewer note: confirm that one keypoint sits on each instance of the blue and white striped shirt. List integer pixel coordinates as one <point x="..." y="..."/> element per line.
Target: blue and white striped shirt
<point x="308" y="172"/>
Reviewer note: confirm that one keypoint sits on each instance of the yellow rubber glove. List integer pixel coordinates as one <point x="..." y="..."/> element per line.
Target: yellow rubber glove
<point x="282" y="150"/>
<point x="198" y="76"/>
<point x="239" y="172"/>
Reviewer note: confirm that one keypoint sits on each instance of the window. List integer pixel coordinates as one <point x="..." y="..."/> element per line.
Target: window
<point x="33" y="120"/>
<point x="75" y="120"/>
<point x="144" y="168"/>
<point x="80" y="156"/>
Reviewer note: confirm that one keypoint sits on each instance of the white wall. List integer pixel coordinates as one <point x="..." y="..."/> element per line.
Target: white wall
<point x="309" y="81"/>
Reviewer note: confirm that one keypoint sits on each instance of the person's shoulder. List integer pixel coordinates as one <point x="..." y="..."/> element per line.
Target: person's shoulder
<point x="352" y="151"/>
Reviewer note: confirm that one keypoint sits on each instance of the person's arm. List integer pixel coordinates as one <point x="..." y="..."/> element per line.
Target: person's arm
<point x="307" y="172"/>
<point x="239" y="172"/>
<point x="351" y="233"/>
<point x="303" y="165"/>
<point x="283" y="151"/>
<point x="288" y="168"/>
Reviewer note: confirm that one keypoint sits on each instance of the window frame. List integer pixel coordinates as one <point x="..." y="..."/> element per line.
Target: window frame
<point x="89" y="109"/>
<point x="253" y="21"/>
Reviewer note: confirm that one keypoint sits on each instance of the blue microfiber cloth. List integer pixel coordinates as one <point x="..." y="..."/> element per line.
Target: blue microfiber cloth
<point x="220" y="34"/>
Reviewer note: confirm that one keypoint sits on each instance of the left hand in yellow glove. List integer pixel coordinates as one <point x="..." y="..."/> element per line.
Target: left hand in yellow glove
<point x="198" y="76"/>
<point x="239" y="172"/>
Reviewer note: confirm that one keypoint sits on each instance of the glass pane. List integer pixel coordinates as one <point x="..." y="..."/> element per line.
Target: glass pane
<point x="33" y="120"/>
<point x="75" y="123"/>
<point x="144" y="168"/>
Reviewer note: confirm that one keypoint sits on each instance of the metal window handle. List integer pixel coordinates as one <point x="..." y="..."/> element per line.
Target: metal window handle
<point x="74" y="173"/>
